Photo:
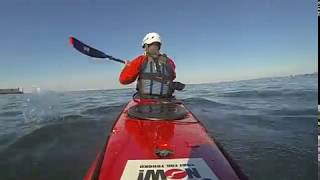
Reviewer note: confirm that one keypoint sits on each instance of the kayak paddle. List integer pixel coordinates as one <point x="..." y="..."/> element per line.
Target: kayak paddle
<point x="90" y="51"/>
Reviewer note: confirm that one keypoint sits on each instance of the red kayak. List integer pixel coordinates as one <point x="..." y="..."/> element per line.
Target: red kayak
<point x="161" y="141"/>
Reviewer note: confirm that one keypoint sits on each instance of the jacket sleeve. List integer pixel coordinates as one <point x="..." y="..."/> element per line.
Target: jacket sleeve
<point x="131" y="71"/>
<point x="171" y="62"/>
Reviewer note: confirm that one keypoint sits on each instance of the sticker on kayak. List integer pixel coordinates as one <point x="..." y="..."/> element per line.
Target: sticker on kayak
<point x="168" y="169"/>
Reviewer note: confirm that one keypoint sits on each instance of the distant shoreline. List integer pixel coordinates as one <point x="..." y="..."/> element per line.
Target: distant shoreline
<point x="267" y="77"/>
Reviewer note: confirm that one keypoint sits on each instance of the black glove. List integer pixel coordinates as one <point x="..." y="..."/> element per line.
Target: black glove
<point x="178" y="86"/>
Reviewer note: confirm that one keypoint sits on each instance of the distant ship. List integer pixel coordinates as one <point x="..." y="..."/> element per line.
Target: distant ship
<point x="11" y="91"/>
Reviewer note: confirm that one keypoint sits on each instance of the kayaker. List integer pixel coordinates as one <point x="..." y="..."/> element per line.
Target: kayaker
<point x="154" y="71"/>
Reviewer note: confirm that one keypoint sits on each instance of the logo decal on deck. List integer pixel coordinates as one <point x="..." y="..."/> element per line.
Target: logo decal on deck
<point x="168" y="169"/>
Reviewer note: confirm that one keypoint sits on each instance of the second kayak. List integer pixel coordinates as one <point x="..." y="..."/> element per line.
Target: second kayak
<point x="161" y="141"/>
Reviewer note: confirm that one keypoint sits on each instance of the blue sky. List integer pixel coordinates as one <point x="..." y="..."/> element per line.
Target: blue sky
<point x="209" y="40"/>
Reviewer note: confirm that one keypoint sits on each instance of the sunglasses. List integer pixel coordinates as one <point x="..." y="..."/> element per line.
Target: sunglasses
<point x="155" y="43"/>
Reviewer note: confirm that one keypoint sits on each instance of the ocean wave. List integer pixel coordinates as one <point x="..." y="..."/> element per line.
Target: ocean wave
<point x="90" y="99"/>
<point x="49" y="146"/>
<point x="46" y="119"/>
<point x="103" y="110"/>
<point x="205" y="103"/>
<point x="295" y="112"/>
<point x="7" y="138"/>
<point x="10" y="113"/>
<point x="9" y="107"/>
<point x="202" y="101"/>
<point x="41" y="134"/>
<point x="73" y="117"/>
<point x="268" y="93"/>
<point x="74" y="105"/>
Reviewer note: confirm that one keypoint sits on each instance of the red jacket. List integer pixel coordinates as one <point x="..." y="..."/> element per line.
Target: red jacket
<point x="130" y="72"/>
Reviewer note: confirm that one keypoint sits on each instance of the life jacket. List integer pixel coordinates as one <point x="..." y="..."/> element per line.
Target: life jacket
<point x="155" y="78"/>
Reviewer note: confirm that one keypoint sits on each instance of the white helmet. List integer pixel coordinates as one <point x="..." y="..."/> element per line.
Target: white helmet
<point x="151" y="38"/>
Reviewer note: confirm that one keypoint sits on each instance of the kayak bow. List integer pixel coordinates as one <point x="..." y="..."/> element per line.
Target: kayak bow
<point x="151" y="141"/>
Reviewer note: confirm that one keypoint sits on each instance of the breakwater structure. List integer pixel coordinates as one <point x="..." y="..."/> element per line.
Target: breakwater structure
<point x="11" y="91"/>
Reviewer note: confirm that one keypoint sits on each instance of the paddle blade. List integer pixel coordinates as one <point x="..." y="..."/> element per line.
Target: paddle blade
<point x="85" y="49"/>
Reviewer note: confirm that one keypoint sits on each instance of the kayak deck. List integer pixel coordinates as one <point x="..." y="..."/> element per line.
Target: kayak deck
<point x="160" y="149"/>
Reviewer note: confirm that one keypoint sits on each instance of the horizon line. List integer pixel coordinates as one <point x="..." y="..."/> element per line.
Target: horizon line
<point x="123" y="88"/>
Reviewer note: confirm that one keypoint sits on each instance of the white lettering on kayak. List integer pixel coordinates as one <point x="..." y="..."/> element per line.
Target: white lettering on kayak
<point x="168" y="169"/>
<point x="86" y="49"/>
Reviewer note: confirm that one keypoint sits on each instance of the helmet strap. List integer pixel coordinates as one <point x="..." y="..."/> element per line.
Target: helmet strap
<point x="146" y="49"/>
